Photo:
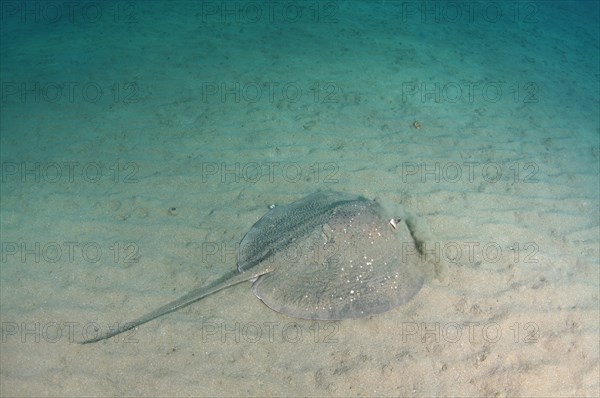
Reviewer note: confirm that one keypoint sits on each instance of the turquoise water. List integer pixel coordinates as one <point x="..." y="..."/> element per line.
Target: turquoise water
<point x="141" y="140"/>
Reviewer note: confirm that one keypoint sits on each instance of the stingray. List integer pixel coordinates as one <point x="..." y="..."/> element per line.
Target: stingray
<point x="327" y="256"/>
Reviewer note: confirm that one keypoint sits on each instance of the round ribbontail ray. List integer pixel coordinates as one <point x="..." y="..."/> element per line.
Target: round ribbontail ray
<point x="329" y="255"/>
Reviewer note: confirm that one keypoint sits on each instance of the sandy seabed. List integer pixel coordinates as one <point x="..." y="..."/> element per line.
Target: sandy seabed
<point x="112" y="207"/>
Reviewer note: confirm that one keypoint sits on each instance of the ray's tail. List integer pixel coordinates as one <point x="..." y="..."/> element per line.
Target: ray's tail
<point x="228" y="280"/>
